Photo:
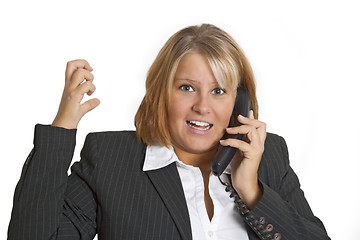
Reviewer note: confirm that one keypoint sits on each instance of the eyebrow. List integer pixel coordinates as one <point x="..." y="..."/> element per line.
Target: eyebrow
<point x="186" y="79"/>
<point x="191" y="80"/>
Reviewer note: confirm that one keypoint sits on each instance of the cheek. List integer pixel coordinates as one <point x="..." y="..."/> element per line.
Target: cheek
<point x="224" y="113"/>
<point x="175" y="109"/>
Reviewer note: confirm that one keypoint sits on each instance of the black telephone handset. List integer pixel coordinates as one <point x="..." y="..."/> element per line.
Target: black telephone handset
<point x="226" y="153"/>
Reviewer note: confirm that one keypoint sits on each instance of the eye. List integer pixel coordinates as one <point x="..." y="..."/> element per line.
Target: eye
<point x="186" y="88"/>
<point x="218" y="91"/>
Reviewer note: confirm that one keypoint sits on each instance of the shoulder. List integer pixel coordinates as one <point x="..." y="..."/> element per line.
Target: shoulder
<point x="107" y="134"/>
<point x="273" y="140"/>
<point x="113" y="152"/>
<point x="113" y="136"/>
<point x="108" y="141"/>
<point x="275" y="145"/>
<point x="275" y="160"/>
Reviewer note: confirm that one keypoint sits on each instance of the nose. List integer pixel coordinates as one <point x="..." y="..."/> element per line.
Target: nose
<point x="202" y="105"/>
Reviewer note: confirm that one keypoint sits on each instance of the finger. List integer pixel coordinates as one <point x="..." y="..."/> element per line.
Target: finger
<point x="249" y="121"/>
<point x="244" y="129"/>
<point x="251" y="114"/>
<point x="77" y="95"/>
<point x="79" y="76"/>
<point x="90" y="105"/>
<point x="252" y="133"/>
<point x="72" y="66"/>
<point x="260" y="126"/>
<point x="87" y="87"/>
<point x="241" y="145"/>
<point x="255" y="135"/>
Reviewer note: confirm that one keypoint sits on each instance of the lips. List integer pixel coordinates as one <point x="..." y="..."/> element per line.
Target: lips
<point x="199" y="125"/>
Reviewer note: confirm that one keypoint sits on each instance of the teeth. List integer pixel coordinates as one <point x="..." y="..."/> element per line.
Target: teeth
<point x="199" y="125"/>
<point x="202" y="124"/>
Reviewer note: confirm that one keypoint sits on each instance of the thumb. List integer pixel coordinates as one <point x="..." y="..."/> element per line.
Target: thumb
<point x="90" y="105"/>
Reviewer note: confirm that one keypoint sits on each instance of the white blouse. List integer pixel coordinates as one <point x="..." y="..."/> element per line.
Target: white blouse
<point x="226" y="223"/>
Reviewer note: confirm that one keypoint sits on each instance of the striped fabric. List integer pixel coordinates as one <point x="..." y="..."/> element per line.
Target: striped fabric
<point x="108" y="194"/>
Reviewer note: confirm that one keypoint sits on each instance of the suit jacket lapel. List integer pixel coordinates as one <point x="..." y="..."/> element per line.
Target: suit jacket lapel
<point x="168" y="184"/>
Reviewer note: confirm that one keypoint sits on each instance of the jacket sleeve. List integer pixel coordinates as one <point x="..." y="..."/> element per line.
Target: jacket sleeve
<point x="283" y="212"/>
<point x="49" y="204"/>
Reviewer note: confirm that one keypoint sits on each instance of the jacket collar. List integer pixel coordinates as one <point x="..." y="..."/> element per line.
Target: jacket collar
<point x="160" y="166"/>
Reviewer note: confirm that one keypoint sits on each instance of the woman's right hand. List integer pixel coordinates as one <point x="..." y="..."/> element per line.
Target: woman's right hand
<point x="71" y="110"/>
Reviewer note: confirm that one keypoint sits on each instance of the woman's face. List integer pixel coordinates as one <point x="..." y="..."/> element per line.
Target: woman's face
<point x="199" y="109"/>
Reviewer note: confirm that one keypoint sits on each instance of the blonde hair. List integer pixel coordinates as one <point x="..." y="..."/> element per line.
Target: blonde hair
<point x="226" y="59"/>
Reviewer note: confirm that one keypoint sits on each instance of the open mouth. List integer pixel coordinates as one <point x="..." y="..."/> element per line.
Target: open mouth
<point x="199" y="125"/>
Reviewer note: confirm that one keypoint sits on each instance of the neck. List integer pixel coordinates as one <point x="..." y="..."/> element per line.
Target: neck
<point x="200" y="160"/>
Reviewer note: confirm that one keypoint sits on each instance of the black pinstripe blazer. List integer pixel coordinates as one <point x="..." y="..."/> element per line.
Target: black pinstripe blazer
<point x="108" y="194"/>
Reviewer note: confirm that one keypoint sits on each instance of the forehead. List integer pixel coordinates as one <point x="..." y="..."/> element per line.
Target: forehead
<point x="194" y="67"/>
<point x="220" y="69"/>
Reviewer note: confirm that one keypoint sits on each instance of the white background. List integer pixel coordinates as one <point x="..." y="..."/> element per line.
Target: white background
<point x="305" y="57"/>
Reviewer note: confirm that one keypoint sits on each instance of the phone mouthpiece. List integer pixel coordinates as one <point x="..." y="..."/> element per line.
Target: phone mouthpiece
<point x="223" y="159"/>
<point x="224" y="156"/>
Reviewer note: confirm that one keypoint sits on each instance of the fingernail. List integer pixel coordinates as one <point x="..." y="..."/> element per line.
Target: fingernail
<point x="221" y="141"/>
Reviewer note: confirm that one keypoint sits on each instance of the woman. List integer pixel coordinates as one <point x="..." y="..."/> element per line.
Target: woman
<point x="156" y="183"/>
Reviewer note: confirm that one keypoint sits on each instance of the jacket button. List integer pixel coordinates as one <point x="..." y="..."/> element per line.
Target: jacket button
<point x="277" y="236"/>
<point x="262" y="220"/>
<point x="269" y="227"/>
